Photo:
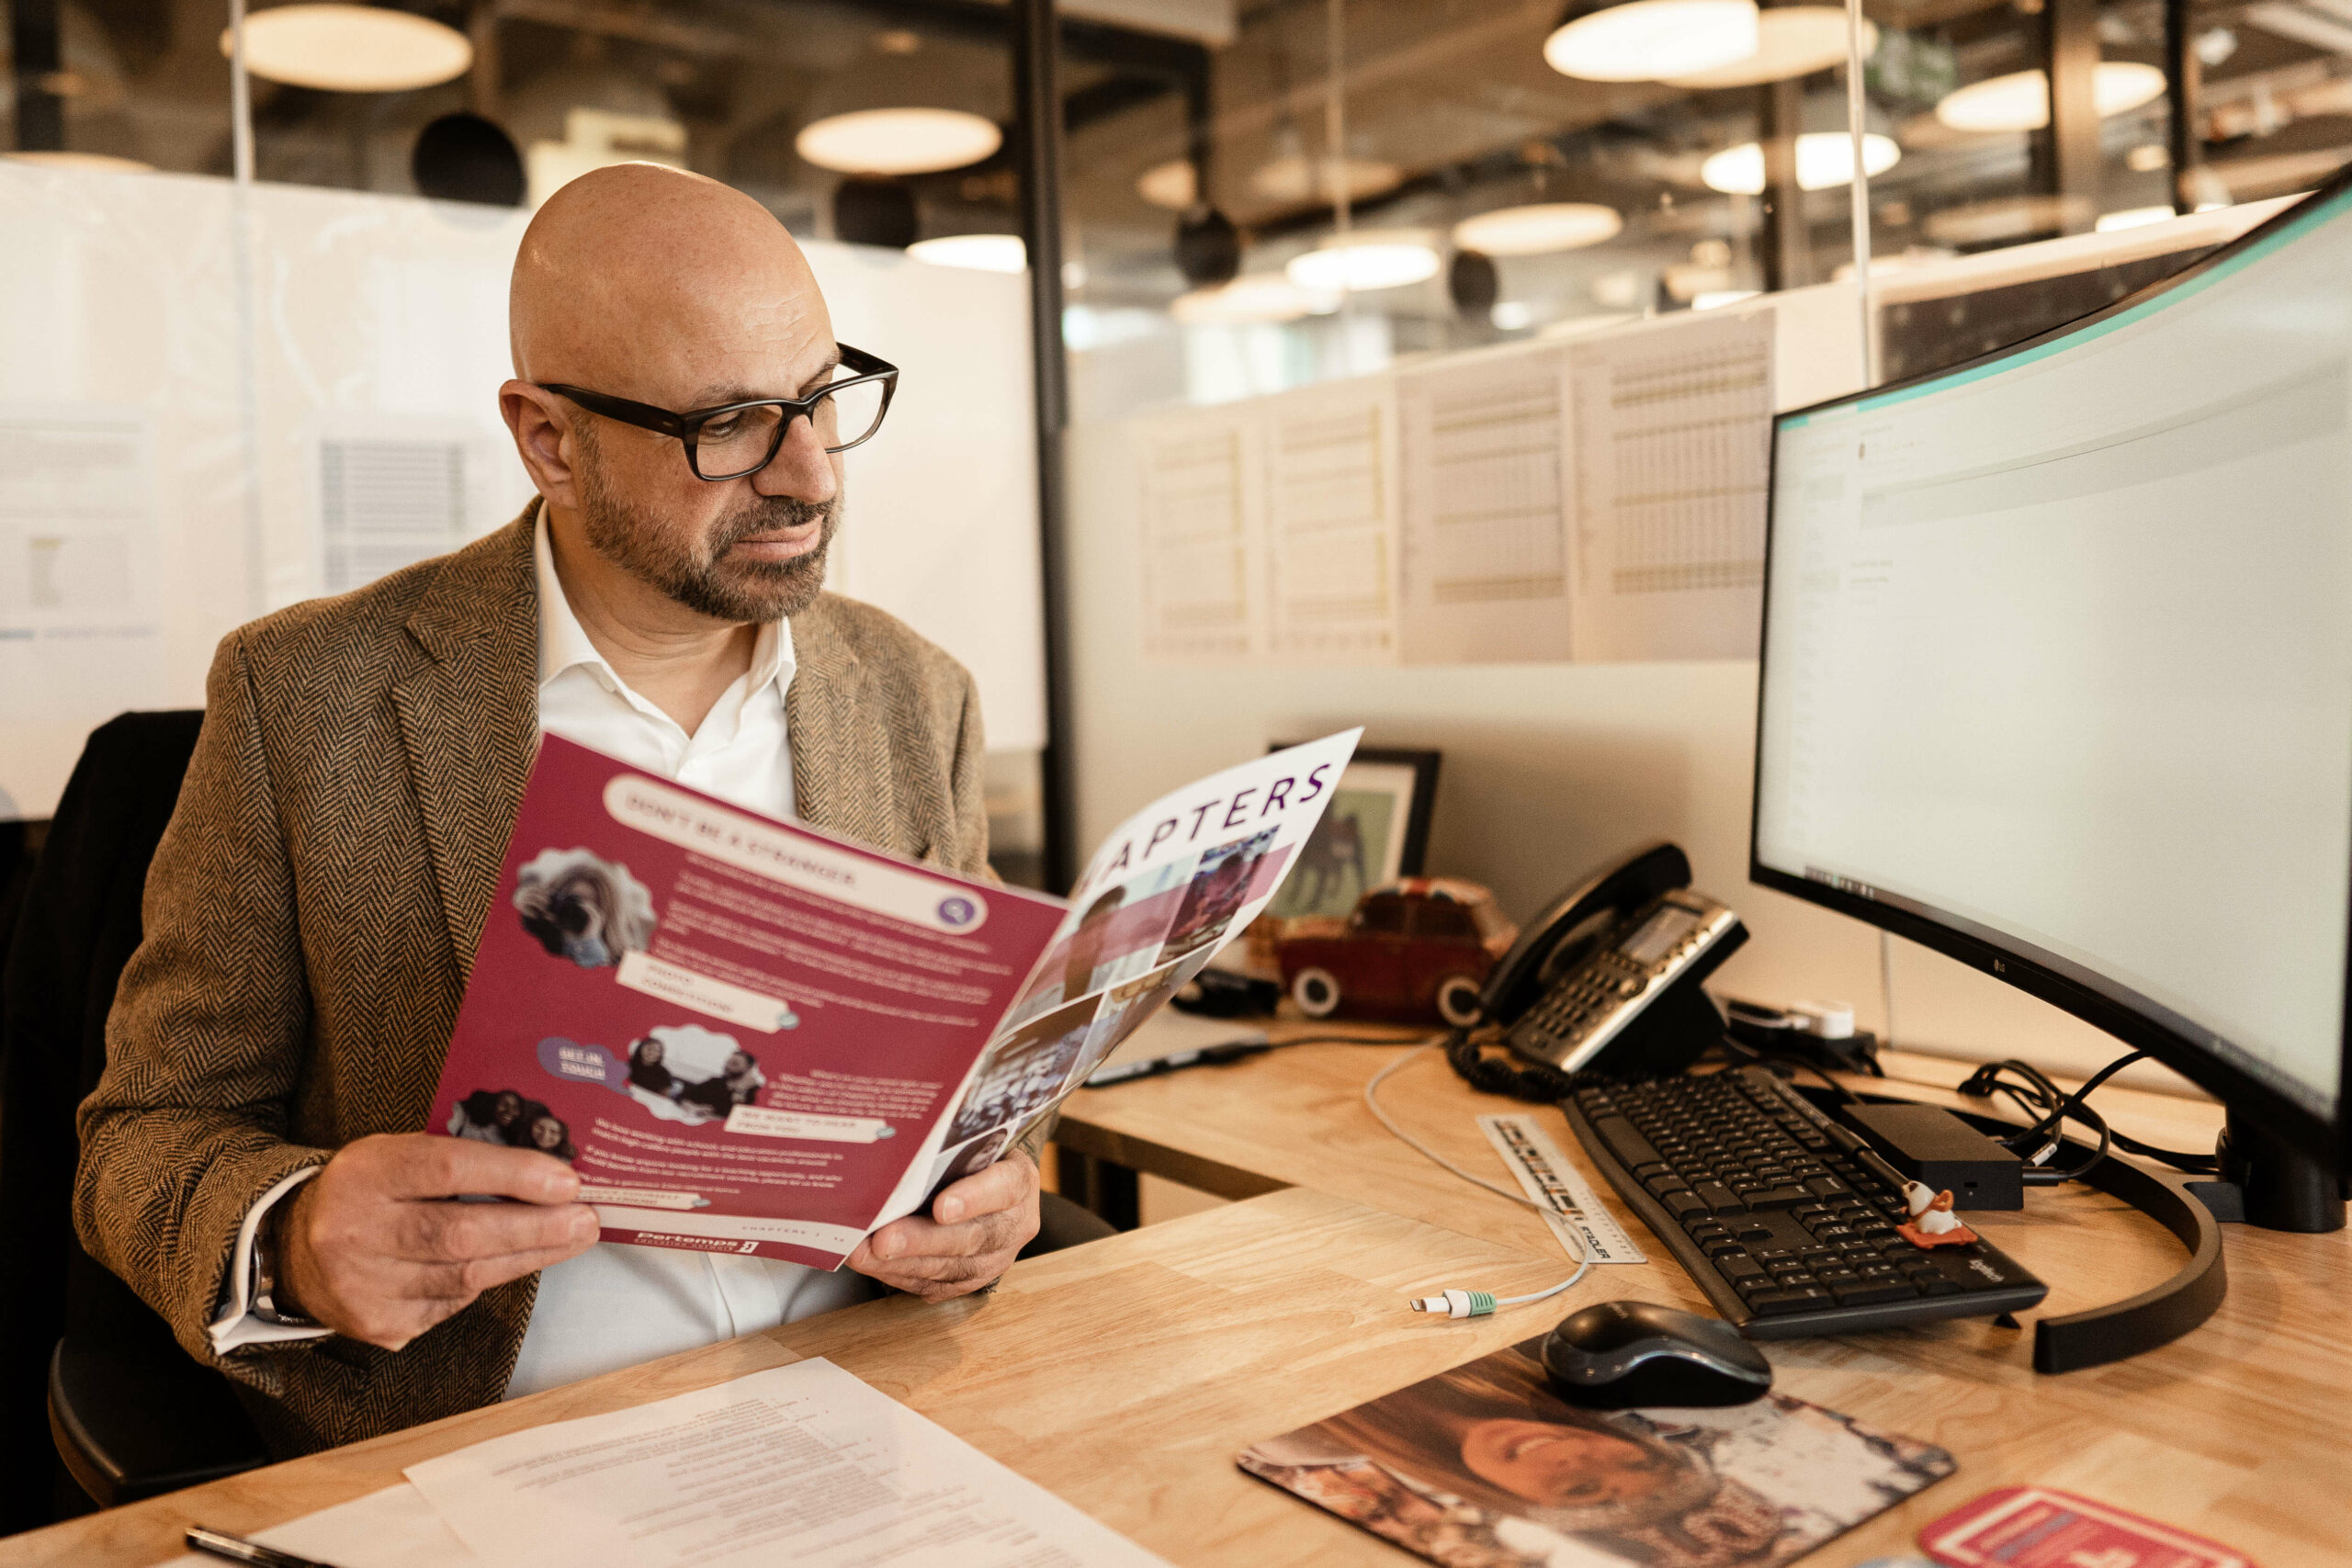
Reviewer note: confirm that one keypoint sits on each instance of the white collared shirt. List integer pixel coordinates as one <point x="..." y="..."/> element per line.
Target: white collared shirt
<point x="613" y="1305"/>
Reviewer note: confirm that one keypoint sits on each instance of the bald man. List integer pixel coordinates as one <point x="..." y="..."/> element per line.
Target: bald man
<point x="251" y="1160"/>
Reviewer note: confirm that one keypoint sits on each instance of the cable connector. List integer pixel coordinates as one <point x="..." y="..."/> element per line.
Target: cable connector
<point x="1456" y="1304"/>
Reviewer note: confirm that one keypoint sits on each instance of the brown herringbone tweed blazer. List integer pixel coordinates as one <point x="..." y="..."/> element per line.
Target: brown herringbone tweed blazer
<point x="311" y="914"/>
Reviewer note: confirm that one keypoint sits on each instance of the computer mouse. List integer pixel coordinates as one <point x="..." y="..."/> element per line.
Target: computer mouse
<point x="1617" y="1355"/>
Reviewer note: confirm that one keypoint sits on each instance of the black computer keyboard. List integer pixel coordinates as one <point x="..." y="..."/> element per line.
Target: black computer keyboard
<point x="1740" y="1177"/>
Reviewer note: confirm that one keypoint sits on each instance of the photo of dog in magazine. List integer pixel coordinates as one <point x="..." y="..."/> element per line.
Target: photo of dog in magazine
<point x="1485" y="1467"/>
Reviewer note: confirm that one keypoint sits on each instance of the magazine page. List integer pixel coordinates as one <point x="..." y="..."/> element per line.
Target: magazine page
<point x="1485" y="1466"/>
<point x="741" y="1032"/>
<point x="1169" y="887"/>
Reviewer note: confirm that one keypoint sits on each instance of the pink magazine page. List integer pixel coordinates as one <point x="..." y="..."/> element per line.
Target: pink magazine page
<point x="740" y="1031"/>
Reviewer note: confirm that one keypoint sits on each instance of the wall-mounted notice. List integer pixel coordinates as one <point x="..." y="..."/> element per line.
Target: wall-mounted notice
<point x="80" y="630"/>
<point x="1330" y="531"/>
<point x="1672" y="440"/>
<point x="1486" y="559"/>
<point x="1200" y="518"/>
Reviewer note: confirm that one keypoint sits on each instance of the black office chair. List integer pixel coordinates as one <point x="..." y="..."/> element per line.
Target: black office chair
<point x="130" y="1413"/>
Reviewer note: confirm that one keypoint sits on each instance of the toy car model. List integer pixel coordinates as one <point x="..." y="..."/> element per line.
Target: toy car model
<point x="1413" y="952"/>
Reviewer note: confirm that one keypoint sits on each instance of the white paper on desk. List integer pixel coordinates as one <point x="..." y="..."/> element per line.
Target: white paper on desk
<point x="802" y="1463"/>
<point x="392" y="1529"/>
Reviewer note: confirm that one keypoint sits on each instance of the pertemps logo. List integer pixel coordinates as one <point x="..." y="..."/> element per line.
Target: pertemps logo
<point x="956" y="911"/>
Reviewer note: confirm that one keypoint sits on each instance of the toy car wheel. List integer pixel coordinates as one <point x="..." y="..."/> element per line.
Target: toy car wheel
<point x="1317" y="992"/>
<point x="1458" y="1000"/>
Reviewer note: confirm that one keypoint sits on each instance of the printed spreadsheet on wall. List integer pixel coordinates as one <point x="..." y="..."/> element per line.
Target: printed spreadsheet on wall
<point x="1196" y="525"/>
<point x="1596" y="501"/>
<point x="1330" y="522"/>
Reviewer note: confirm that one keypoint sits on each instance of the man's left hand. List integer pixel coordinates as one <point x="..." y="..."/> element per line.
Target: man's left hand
<point x="976" y="1227"/>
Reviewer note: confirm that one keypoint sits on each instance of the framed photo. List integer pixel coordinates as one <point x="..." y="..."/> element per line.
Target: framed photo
<point x="1376" y="829"/>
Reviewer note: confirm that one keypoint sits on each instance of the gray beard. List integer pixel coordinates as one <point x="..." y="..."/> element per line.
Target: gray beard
<point x="703" y="581"/>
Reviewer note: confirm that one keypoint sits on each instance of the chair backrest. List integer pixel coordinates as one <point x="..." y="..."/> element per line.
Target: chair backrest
<point x="76" y="928"/>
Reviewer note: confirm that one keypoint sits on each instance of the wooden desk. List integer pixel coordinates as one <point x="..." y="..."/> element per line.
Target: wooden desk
<point x="1124" y="1375"/>
<point x="2243" y="1428"/>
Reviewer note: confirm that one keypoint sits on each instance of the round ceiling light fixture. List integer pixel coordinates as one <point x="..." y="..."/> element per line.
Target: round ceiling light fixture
<point x="976" y="252"/>
<point x="1650" y="40"/>
<point x="1537" y="229"/>
<point x="1791" y="40"/>
<point x="1295" y="178"/>
<point x="897" y="141"/>
<point x="1259" y="299"/>
<point x="1365" y="260"/>
<point x="1825" y="160"/>
<point x="350" y="48"/>
<point x="1168" y="186"/>
<point x="2020" y="100"/>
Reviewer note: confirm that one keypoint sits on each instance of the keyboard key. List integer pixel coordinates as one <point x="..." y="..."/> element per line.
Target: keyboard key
<point x="1751" y="1230"/>
<point x="1776" y="1303"/>
<point x="1665" y="1182"/>
<point x="1736" y="1267"/>
<point x="1723" y="1248"/>
<point x="1720" y="1198"/>
<point x="1631" y="1148"/>
<point x="1775" y="1197"/>
<point x="1684" y="1205"/>
<point x="1870" y="1292"/>
<point x="1825" y="1186"/>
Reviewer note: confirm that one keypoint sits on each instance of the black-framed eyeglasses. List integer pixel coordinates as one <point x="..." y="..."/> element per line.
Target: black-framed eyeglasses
<point x="734" y="439"/>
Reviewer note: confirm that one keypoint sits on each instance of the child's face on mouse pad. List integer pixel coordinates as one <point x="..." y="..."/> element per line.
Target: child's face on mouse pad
<point x="1485" y="1465"/>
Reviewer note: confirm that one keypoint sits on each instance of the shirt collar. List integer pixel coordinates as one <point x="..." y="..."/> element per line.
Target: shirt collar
<point x="563" y="645"/>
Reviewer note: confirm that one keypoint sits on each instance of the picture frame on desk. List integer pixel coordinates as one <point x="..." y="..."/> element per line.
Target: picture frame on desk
<point x="1376" y="829"/>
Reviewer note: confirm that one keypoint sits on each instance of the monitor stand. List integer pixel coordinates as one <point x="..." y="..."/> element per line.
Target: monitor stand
<point x="2265" y="1182"/>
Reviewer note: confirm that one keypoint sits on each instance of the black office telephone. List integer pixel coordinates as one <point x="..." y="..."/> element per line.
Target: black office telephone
<point x="1606" y="979"/>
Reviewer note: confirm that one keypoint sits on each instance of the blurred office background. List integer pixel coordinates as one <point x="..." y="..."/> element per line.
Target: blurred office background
<point x="1262" y="194"/>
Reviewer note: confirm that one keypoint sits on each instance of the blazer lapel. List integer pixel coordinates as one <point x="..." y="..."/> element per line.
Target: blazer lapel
<point x="469" y="718"/>
<point x="841" y="776"/>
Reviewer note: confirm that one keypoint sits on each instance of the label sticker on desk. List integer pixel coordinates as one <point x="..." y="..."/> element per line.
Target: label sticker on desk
<point x="2037" y="1527"/>
<point x="1559" y="1190"/>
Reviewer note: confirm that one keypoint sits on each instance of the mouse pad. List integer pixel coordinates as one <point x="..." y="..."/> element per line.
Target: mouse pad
<point x="1484" y="1467"/>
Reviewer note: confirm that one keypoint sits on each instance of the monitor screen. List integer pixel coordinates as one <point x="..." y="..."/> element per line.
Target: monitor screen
<point x="2058" y="658"/>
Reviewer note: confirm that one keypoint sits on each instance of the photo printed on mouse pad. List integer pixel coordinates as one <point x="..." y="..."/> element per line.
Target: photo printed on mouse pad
<point x="1485" y="1466"/>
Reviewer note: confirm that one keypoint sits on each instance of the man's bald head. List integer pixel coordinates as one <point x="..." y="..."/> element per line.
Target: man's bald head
<point x="631" y="268"/>
<point x="663" y="288"/>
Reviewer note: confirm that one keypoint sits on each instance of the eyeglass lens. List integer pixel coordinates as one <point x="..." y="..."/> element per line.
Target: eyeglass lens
<point x="742" y="442"/>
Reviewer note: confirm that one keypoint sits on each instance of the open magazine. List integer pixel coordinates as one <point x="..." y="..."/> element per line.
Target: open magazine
<point x="749" y="1036"/>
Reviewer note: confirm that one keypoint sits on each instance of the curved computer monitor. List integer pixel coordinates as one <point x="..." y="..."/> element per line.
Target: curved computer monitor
<point x="2057" y="668"/>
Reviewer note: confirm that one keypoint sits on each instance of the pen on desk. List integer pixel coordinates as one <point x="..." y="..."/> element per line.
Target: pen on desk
<point x="1854" y="1144"/>
<point x="1207" y="1056"/>
<point x="237" y="1549"/>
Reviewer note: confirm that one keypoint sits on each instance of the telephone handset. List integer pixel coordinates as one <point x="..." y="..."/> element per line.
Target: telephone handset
<point x="1607" y="978"/>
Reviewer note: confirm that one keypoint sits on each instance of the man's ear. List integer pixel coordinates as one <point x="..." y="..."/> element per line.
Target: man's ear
<point x="541" y="423"/>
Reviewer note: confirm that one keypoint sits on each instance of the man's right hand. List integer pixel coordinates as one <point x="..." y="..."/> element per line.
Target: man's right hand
<point x="375" y="1247"/>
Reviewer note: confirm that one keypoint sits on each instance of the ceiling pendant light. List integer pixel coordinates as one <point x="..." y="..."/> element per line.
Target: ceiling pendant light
<point x="977" y="253"/>
<point x="2020" y="100"/>
<point x="1539" y="229"/>
<point x="1169" y="185"/>
<point x="1259" y="298"/>
<point x="350" y="48"/>
<point x="897" y="141"/>
<point x="1825" y="160"/>
<point x="1791" y="40"/>
<point x="1649" y="40"/>
<point x="1365" y="260"/>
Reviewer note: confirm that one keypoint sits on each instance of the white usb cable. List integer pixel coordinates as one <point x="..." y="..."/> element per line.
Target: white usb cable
<point x="1456" y="1303"/>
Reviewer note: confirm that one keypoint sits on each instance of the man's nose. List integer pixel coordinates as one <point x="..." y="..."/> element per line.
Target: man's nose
<point x="801" y="468"/>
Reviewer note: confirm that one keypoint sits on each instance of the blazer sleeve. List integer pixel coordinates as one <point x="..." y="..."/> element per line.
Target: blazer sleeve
<point x="969" y="783"/>
<point x="205" y="1041"/>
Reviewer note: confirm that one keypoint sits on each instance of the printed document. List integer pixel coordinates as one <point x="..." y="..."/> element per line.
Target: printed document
<point x="802" y="1464"/>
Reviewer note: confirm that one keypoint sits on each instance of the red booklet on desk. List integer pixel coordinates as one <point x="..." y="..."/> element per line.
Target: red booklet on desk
<point x="749" y="1036"/>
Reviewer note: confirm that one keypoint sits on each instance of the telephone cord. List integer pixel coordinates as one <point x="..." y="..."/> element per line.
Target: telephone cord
<point x="1459" y="1302"/>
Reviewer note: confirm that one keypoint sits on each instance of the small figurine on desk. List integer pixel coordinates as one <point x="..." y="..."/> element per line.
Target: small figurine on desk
<point x="1933" y="1222"/>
